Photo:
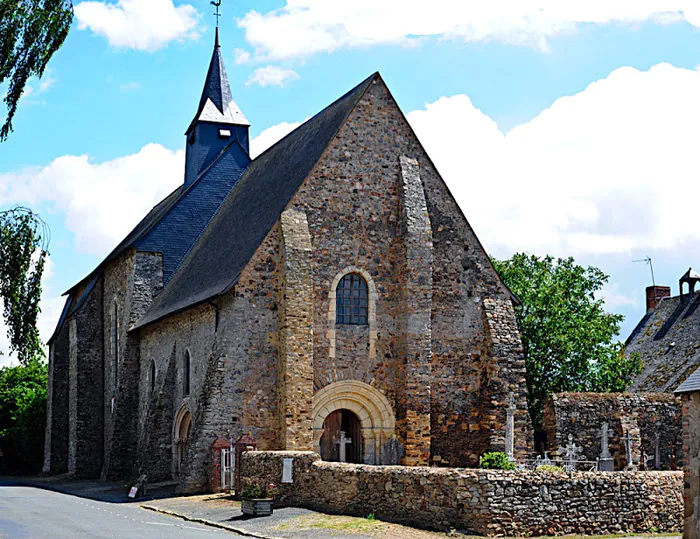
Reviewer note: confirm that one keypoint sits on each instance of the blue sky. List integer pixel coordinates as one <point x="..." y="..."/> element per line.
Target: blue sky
<point x="563" y="128"/>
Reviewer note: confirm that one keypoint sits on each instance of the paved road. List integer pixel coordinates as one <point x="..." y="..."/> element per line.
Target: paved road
<point x="33" y="512"/>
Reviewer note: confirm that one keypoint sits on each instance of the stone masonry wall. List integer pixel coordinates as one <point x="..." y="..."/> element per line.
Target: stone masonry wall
<point x="644" y="415"/>
<point x="484" y="502"/>
<point x="240" y="390"/>
<point x="352" y="199"/>
<point x="130" y="282"/>
<point x="87" y="418"/>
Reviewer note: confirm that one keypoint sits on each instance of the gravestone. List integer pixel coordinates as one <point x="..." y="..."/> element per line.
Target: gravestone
<point x="342" y="443"/>
<point x="510" y="426"/>
<point x="392" y="452"/>
<point x="605" y="462"/>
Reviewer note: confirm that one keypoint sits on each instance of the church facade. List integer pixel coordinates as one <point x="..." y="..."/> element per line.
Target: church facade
<point x="329" y="290"/>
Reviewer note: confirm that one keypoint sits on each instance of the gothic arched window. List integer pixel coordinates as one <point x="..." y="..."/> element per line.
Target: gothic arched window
<point x="351" y="300"/>
<point x="186" y="375"/>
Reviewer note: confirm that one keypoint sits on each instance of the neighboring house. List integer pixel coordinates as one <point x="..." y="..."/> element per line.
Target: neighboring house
<point x="331" y="290"/>
<point x="666" y="341"/>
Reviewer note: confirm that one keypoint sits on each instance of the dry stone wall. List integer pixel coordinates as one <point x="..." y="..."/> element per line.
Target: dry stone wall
<point x="649" y="418"/>
<point x="484" y="502"/>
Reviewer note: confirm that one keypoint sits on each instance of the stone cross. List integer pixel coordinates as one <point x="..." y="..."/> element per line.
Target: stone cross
<point x="657" y="452"/>
<point x="605" y="462"/>
<point x="510" y="426"/>
<point x="342" y="441"/>
<point x="572" y="452"/>
<point x="628" y="449"/>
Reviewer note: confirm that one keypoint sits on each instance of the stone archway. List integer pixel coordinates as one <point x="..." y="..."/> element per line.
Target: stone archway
<point x="181" y="435"/>
<point x="372" y="408"/>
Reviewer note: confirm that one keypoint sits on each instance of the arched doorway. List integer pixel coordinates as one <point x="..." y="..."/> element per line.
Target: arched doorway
<point x="341" y="440"/>
<point x="368" y="405"/>
<point x="182" y="436"/>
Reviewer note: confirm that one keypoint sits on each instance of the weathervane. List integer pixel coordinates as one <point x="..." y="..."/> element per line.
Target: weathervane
<point x="217" y="14"/>
<point x="647" y="260"/>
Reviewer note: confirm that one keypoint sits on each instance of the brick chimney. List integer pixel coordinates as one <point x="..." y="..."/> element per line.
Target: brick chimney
<point x="654" y="295"/>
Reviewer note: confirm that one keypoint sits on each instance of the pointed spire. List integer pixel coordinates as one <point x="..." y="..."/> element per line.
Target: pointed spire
<point x="217" y="104"/>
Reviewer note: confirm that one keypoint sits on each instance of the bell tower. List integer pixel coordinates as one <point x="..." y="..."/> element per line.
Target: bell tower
<point x="218" y="122"/>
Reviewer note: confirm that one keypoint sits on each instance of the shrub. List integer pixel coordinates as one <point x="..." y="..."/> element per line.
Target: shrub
<point x="257" y="489"/>
<point x="22" y="416"/>
<point x="549" y="468"/>
<point x="496" y="461"/>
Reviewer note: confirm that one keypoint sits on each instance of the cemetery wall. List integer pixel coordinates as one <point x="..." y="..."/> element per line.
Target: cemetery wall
<point x="645" y="416"/>
<point x="485" y="502"/>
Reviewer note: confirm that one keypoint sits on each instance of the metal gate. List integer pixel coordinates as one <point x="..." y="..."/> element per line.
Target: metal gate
<point x="227" y="467"/>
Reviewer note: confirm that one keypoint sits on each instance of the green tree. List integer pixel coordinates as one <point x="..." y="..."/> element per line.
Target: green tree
<point x="570" y="341"/>
<point x="23" y="390"/>
<point x="23" y="249"/>
<point x="31" y="31"/>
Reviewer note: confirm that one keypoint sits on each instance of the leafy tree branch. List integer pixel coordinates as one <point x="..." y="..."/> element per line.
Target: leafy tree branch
<point x="570" y="341"/>
<point x="31" y="31"/>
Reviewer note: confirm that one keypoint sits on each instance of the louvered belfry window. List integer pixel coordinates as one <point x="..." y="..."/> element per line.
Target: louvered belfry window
<point x="351" y="300"/>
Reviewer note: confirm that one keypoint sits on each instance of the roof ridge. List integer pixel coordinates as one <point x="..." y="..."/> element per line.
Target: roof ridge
<point x="265" y="189"/>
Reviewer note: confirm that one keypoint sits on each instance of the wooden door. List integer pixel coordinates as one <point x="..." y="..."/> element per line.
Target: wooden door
<point x="346" y="421"/>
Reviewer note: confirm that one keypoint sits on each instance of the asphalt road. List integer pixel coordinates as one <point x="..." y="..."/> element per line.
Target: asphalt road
<point x="33" y="512"/>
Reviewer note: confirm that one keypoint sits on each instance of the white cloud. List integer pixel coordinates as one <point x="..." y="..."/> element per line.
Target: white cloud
<point x="269" y="136"/>
<point x="305" y="27"/>
<point x="129" y="87"/>
<point x="272" y="76"/>
<point x="241" y="56"/>
<point x="102" y="202"/>
<point x="615" y="298"/>
<point x="610" y="169"/>
<point x="139" y="24"/>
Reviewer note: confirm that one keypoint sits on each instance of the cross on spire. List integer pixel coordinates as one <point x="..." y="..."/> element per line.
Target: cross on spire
<point x="217" y="14"/>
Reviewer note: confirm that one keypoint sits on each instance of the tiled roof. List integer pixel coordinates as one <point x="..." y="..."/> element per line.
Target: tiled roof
<point x="251" y="210"/>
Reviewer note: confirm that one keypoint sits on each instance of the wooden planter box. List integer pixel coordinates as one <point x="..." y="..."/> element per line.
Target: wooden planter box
<point x="257" y="508"/>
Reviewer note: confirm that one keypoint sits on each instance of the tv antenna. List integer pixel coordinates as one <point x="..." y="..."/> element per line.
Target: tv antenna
<point x="647" y="260"/>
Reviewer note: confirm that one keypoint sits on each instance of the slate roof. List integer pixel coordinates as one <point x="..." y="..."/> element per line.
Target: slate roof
<point x="667" y="340"/>
<point x="692" y="383"/>
<point x="216" y="104"/>
<point x="251" y="210"/>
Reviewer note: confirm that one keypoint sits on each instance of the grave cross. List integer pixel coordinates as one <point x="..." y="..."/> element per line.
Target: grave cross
<point x="510" y="426"/>
<point x="342" y="441"/>
<point x="657" y="452"/>
<point x="628" y="449"/>
<point x="571" y="454"/>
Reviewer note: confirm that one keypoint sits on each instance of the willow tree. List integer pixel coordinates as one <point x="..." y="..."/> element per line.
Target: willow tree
<point x="31" y="31"/>
<point x="23" y="250"/>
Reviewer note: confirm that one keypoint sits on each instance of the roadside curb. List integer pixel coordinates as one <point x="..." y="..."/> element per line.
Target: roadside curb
<point x="241" y="531"/>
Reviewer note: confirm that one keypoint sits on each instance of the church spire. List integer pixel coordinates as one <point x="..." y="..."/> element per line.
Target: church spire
<point x="216" y="104"/>
<point x="218" y="121"/>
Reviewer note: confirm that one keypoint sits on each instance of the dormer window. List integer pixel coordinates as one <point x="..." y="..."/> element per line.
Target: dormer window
<point x="224" y="133"/>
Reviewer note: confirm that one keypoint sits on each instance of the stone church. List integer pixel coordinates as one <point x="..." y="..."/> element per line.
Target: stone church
<point x="330" y="285"/>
